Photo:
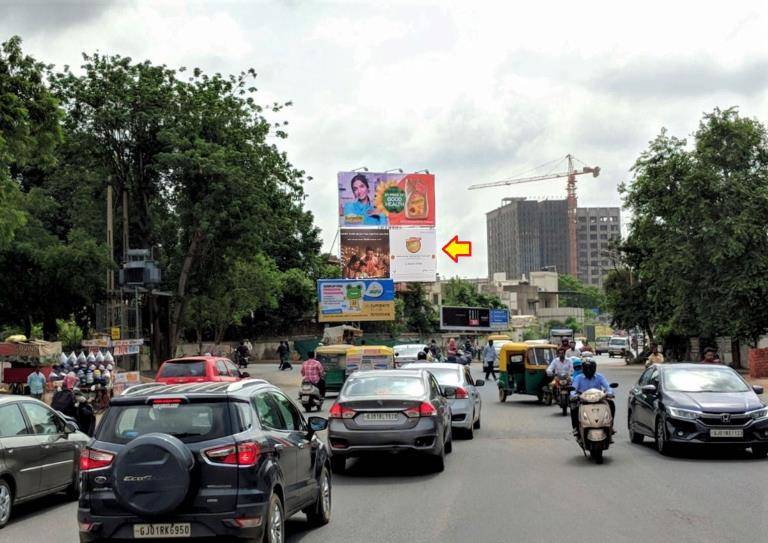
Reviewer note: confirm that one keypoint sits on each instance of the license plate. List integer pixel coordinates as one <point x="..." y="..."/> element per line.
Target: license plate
<point x="151" y="531"/>
<point x="726" y="433"/>
<point x="379" y="417"/>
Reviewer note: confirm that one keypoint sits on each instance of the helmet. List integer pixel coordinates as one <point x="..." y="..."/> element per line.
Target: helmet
<point x="589" y="367"/>
<point x="576" y="361"/>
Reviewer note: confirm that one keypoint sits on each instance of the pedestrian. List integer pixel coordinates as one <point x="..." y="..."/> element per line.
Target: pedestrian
<point x="655" y="357"/>
<point x="710" y="356"/>
<point x="489" y="359"/>
<point x="452" y="350"/>
<point x="428" y="354"/>
<point x="63" y="401"/>
<point x="36" y="383"/>
<point x="86" y="418"/>
<point x="243" y="353"/>
<point x="314" y="372"/>
<point x="282" y="354"/>
<point x="287" y="364"/>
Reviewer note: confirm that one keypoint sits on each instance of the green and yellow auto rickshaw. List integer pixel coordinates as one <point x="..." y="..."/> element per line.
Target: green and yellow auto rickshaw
<point x="523" y="369"/>
<point x="334" y="361"/>
<point x="370" y="357"/>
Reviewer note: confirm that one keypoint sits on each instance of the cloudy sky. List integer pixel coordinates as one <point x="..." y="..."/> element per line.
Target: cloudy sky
<point x="474" y="91"/>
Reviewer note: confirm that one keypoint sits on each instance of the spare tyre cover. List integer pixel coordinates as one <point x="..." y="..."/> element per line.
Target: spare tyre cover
<point x="152" y="474"/>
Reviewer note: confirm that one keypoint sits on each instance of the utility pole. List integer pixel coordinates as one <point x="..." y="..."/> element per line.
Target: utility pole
<point x="110" y="273"/>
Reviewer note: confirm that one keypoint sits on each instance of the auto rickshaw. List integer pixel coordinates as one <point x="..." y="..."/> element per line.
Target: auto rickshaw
<point x="334" y="361"/>
<point x="370" y="357"/>
<point x="523" y="369"/>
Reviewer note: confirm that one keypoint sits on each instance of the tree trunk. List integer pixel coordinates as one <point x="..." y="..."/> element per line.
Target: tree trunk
<point x="28" y="326"/>
<point x="196" y="247"/>
<point x="199" y="332"/>
<point x="50" y="329"/>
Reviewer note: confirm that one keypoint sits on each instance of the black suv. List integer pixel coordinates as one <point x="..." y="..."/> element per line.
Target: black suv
<point x="203" y="460"/>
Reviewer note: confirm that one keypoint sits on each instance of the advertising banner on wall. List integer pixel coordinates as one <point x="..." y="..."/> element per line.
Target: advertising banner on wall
<point x="364" y="253"/>
<point x="412" y="254"/>
<point x="371" y="199"/>
<point x="500" y="319"/>
<point x="341" y="300"/>
<point x="465" y="318"/>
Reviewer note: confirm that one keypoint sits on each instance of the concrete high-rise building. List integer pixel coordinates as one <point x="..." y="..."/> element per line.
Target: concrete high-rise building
<point x="596" y="227"/>
<point x="525" y="236"/>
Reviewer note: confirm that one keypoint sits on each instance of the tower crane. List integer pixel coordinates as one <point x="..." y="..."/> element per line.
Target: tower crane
<point x="571" y="199"/>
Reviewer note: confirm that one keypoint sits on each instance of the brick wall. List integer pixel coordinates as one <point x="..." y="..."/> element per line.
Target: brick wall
<point x="758" y="363"/>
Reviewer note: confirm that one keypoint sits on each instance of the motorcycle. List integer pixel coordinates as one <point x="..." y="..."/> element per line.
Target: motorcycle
<point x="464" y="358"/>
<point x="310" y="397"/>
<point x="562" y="391"/>
<point x="595" y="426"/>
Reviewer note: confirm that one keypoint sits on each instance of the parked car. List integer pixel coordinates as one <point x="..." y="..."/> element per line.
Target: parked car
<point x="466" y="404"/>
<point x="697" y="404"/>
<point x="39" y="452"/>
<point x="407" y="353"/>
<point x="161" y="464"/>
<point x="601" y="344"/>
<point x="390" y="411"/>
<point x="199" y="369"/>
<point x="618" y="346"/>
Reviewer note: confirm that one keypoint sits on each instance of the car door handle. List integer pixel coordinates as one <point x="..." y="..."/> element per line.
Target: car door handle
<point x="46" y="446"/>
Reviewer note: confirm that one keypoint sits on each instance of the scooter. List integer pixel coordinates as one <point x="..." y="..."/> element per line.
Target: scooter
<point x="310" y="397"/>
<point x="595" y="423"/>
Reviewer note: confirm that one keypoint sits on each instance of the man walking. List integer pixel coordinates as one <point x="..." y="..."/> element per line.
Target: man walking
<point x="36" y="383"/>
<point x="655" y="357"/>
<point x="282" y="353"/>
<point x="312" y="370"/>
<point x="489" y="358"/>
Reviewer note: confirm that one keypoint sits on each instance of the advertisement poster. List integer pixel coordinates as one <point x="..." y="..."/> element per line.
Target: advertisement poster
<point x="500" y="319"/>
<point x="465" y="318"/>
<point x="342" y="300"/>
<point x="371" y="199"/>
<point x="364" y="253"/>
<point x="412" y="254"/>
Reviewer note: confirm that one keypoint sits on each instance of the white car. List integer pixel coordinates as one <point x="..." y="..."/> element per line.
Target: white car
<point x="466" y="405"/>
<point x="408" y="352"/>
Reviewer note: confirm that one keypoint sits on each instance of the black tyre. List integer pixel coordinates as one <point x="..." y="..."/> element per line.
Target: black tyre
<point x="635" y="437"/>
<point x="502" y="395"/>
<point x="662" y="445"/>
<point x="477" y="423"/>
<point x="469" y="433"/>
<point x="760" y="451"/>
<point x="449" y="443"/>
<point x="274" y="528"/>
<point x="307" y="407"/>
<point x="6" y="502"/>
<point x="338" y="464"/>
<point x="548" y="398"/>
<point x="438" y="460"/>
<point x="564" y="407"/>
<point x="597" y="455"/>
<point x="320" y="513"/>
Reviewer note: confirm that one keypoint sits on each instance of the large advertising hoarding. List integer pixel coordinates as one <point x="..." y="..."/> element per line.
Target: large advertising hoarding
<point x="465" y="318"/>
<point x="500" y="319"/>
<point x="341" y="300"/>
<point x="364" y="253"/>
<point x="371" y="199"/>
<point x="412" y="254"/>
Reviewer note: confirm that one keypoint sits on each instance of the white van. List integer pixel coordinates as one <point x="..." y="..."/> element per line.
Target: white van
<point x="618" y="346"/>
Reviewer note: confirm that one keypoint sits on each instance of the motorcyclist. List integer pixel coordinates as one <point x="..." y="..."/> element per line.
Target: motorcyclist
<point x="576" y="361"/>
<point x="587" y="380"/>
<point x="560" y="365"/>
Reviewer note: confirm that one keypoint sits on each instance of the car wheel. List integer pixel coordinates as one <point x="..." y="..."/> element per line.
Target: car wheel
<point x="662" y="445"/>
<point x="502" y="395"/>
<point x="274" y="531"/>
<point x="477" y="423"/>
<point x="320" y="513"/>
<point x="469" y="433"/>
<point x="760" y="451"/>
<point x="338" y="464"/>
<point x="438" y="461"/>
<point x="6" y="502"/>
<point x="635" y="437"/>
<point x="449" y="443"/>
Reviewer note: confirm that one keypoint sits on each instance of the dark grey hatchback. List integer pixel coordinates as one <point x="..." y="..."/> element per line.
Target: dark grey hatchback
<point x="697" y="404"/>
<point x="203" y="460"/>
<point x="390" y="411"/>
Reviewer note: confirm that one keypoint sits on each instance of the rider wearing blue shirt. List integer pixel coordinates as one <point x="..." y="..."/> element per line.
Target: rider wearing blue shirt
<point x="587" y="380"/>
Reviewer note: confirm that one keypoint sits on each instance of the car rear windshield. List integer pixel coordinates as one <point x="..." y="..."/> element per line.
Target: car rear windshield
<point x="384" y="386"/>
<point x="190" y="422"/>
<point x="618" y="342"/>
<point x="183" y="369"/>
<point x="409" y="350"/>
<point x="446" y="376"/>
<point x="703" y="380"/>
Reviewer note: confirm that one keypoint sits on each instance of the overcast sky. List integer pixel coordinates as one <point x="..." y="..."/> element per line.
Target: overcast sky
<point x="474" y="91"/>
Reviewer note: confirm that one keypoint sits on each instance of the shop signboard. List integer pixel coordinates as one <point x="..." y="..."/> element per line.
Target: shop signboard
<point x="342" y="300"/>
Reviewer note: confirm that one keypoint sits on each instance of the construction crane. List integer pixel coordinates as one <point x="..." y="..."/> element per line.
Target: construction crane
<point x="571" y="191"/>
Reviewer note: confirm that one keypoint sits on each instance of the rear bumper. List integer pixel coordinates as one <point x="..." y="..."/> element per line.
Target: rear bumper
<point x="202" y="525"/>
<point x="462" y="412"/>
<point x="688" y="431"/>
<point x="345" y="442"/>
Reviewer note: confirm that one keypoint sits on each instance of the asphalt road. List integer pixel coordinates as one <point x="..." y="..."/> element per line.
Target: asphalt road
<point x="522" y="478"/>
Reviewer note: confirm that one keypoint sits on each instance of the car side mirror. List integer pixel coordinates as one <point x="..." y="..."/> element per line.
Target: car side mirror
<point x="70" y="427"/>
<point x="449" y="391"/>
<point x="649" y="389"/>
<point x="479" y="383"/>
<point x="245" y="374"/>
<point x="317" y="424"/>
<point x="758" y="389"/>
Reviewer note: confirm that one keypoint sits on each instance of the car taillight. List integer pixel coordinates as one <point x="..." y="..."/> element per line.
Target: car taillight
<point x="425" y="409"/>
<point x="338" y="411"/>
<point x="243" y="454"/>
<point x="91" y="459"/>
<point x="461" y="394"/>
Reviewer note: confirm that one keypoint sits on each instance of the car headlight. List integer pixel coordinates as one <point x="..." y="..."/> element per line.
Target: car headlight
<point x="759" y="413"/>
<point x="683" y="413"/>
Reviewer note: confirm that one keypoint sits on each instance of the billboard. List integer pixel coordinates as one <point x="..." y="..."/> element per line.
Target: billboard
<point x="465" y="318"/>
<point x="341" y="300"/>
<point x="500" y="319"/>
<point x="371" y="199"/>
<point x="412" y="254"/>
<point x="364" y="253"/>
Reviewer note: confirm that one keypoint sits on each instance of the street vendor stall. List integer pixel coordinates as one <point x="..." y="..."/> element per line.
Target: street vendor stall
<point x="19" y="358"/>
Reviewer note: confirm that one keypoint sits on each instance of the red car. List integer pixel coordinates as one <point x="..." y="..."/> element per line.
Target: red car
<point x="198" y="369"/>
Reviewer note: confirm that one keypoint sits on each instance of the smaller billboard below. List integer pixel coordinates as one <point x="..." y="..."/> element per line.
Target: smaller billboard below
<point x="364" y="253"/>
<point x="412" y="254"/>
<point x="341" y="300"/>
<point x="500" y="319"/>
<point x="465" y="318"/>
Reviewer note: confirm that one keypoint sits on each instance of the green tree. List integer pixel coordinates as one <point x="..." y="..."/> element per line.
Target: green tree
<point x="462" y="293"/>
<point x="418" y="312"/>
<point x="698" y="242"/>
<point x="574" y="293"/>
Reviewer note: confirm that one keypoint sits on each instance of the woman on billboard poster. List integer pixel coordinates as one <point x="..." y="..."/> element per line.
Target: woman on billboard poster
<point x="362" y="210"/>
